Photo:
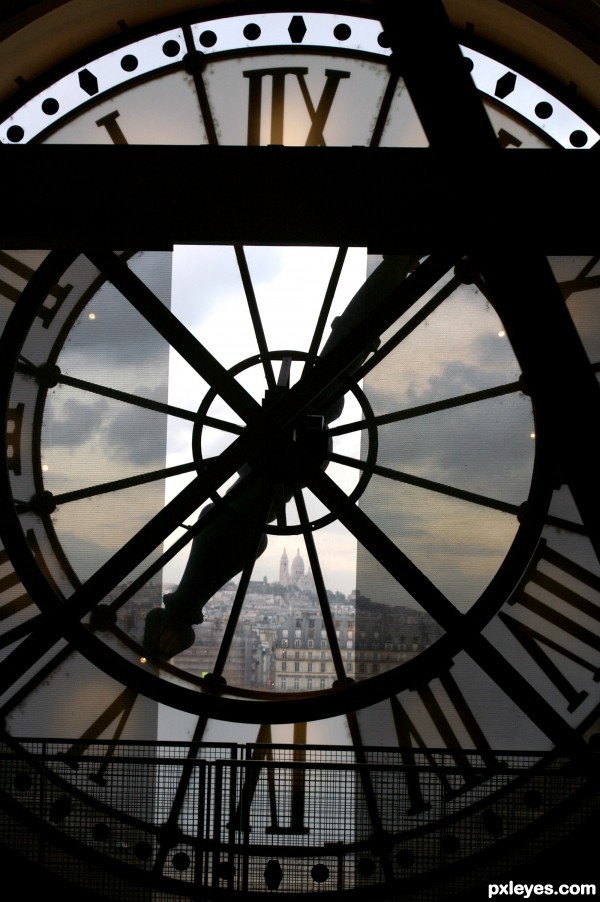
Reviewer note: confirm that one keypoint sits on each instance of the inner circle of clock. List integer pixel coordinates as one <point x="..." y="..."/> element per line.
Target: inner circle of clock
<point x="269" y="468"/>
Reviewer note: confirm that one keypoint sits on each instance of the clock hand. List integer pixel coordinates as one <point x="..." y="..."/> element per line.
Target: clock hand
<point x="388" y="275"/>
<point x="390" y="272"/>
<point x="221" y="548"/>
<point x="219" y="551"/>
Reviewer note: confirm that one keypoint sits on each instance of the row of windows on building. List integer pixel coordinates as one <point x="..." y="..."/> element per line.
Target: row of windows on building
<point x="289" y="683"/>
<point x="310" y="643"/>
<point x="305" y="681"/>
<point x="401" y="645"/>
<point x="309" y="667"/>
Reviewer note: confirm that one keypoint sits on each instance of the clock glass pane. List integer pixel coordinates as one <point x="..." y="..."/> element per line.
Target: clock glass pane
<point x="430" y="433"/>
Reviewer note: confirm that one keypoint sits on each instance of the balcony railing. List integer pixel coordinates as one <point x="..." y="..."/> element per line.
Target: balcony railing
<point x="169" y="821"/>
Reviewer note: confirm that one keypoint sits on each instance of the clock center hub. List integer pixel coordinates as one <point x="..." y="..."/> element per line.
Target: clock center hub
<point x="309" y="432"/>
<point x="279" y="472"/>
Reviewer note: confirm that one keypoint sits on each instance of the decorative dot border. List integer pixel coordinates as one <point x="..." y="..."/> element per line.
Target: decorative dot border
<point x="310" y="31"/>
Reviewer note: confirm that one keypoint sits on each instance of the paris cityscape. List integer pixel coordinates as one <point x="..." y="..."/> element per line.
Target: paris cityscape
<point x="281" y="643"/>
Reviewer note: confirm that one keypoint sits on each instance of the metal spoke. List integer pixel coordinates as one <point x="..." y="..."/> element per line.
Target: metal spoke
<point x="153" y="533"/>
<point x="327" y="302"/>
<point x="444" y="489"/>
<point x="379" y="286"/>
<point x="435" y="603"/>
<point x="87" y="596"/>
<point x="19" y="631"/>
<point x="376" y="541"/>
<point x="569" y="525"/>
<point x="561" y="392"/>
<point x="434" y="407"/>
<point x="582" y="281"/>
<point x="439" y="488"/>
<point x="96" y="389"/>
<point x="191" y="532"/>
<point x="315" y="566"/>
<point x="255" y="315"/>
<point x="280" y="505"/>
<point x="452" y="492"/>
<point x="319" y="383"/>
<point x="123" y="562"/>
<point x="236" y="608"/>
<point x="176" y="334"/>
<point x="115" y="485"/>
<point x="153" y="569"/>
<point x="419" y="317"/>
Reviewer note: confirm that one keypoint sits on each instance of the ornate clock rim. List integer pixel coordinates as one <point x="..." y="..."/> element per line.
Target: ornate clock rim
<point x="506" y="25"/>
<point x="191" y="20"/>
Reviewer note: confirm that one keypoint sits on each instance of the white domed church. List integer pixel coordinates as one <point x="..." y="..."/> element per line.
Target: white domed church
<point x="295" y="575"/>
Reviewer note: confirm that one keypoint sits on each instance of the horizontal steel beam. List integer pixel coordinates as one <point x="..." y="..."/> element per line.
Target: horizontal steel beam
<point x="416" y="200"/>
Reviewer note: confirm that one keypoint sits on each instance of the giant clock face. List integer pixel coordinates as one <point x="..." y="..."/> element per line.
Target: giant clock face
<point x="180" y="422"/>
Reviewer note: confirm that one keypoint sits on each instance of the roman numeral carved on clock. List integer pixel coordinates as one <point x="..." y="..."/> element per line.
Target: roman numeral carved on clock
<point x="318" y="114"/>
<point x="13" y="602"/>
<point x="553" y="622"/>
<point x="448" y="715"/>
<point x="109" y="122"/>
<point x="15" y="267"/>
<point x="248" y="790"/>
<point x="13" y="438"/>
<point x="118" y="712"/>
<point x="297" y="792"/>
<point x="10" y="603"/>
<point x="297" y="798"/>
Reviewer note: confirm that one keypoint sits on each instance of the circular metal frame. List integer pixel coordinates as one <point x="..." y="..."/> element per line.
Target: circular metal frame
<point x="289" y="529"/>
<point x="215" y="698"/>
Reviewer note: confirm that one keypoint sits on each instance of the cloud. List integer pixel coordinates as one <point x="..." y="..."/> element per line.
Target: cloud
<point x="205" y="277"/>
<point x="136" y="436"/>
<point x="122" y="432"/>
<point x="71" y="420"/>
<point x="457" y="546"/>
<point x="483" y="446"/>
<point x="110" y="335"/>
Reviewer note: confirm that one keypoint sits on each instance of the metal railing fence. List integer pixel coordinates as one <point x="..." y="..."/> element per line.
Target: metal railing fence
<point x="165" y="821"/>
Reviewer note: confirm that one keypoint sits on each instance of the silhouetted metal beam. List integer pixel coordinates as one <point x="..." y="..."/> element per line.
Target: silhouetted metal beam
<point x="425" y="50"/>
<point x="386" y="198"/>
